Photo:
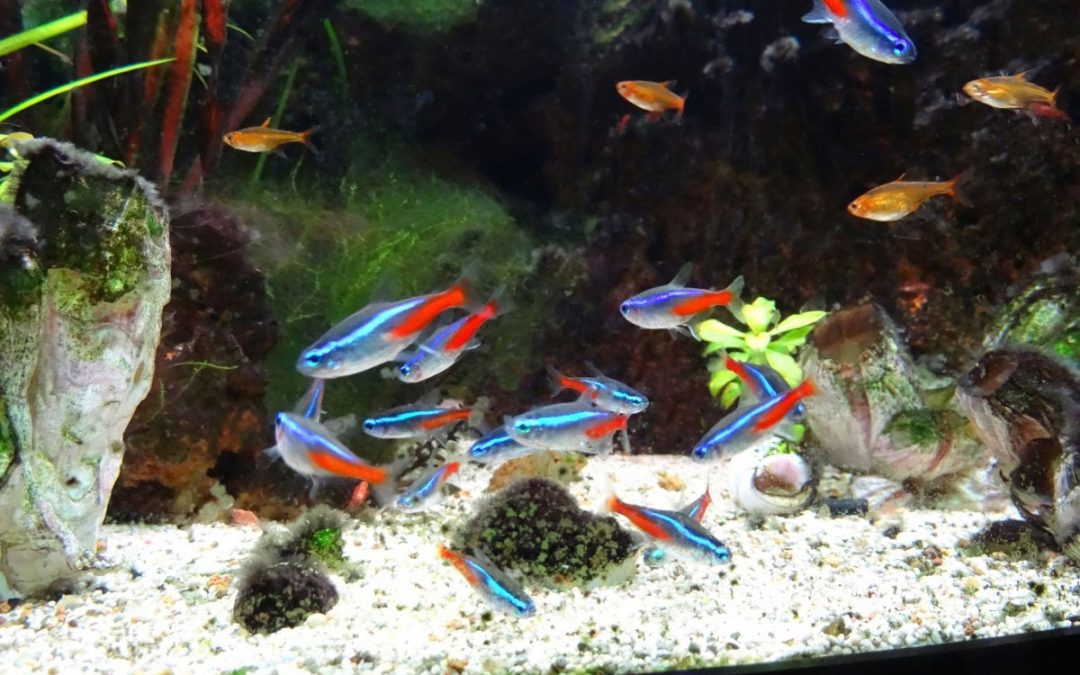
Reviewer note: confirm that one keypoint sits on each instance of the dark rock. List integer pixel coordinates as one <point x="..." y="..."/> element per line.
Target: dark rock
<point x="281" y="595"/>
<point x="204" y="421"/>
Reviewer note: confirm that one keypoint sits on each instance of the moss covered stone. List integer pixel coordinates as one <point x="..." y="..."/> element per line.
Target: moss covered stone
<point x="1045" y="314"/>
<point x="419" y="15"/>
<point x="282" y="595"/>
<point x="7" y="442"/>
<point x="537" y="529"/>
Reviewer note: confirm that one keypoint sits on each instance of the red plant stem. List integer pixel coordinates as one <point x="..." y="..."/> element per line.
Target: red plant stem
<point x="81" y="98"/>
<point x="215" y="17"/>
<point x="177" y="88"/>
<point x="144" y="106"/>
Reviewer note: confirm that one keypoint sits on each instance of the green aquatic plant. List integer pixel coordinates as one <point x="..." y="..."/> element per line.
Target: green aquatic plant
<point x="766" y="340"/>
<point x="424" y="16"/>
<point x="82" y="82"/>
<point x="45" y="31"/>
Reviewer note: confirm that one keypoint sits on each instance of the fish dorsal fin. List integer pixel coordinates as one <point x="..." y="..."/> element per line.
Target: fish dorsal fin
<point x="1021" y="76"/>
<point x="668" y="84"/>
<point x="819" y="14"/>
<point x="266" y="124"/>
<point x="683" y="275"/>
<point x="902" y="177"/>
<point x="593" y="370"/>
<point x="430" y="399"/>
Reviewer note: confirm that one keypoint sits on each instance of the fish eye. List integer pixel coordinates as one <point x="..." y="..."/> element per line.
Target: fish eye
<point x="279" y="418"/>
<point x="625" y="308"/>
<point x="899" y="48"/>
<point x="522" y="427"/>
<point x="312" y="359"/>
<point x="405" y="369"/>
<point x="369" y="424"/>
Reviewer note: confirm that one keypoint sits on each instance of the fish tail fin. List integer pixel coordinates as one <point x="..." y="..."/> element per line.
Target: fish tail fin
<point x="497" y="305"/>
<point x="682" y="107"/>
<point x="806" y="388"/>
<point x="305" y="138"/>
<point x="957" y="183"/>
<point x="556" y="380"/>
<point x="466" y="287"/>
<point x="819" y="14"/>
<point x="386" y="490"/>
<point x="735" y="304"/>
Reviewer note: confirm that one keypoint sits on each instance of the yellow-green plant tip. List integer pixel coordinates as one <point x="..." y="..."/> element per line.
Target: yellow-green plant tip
<point x="731" y="394"/>
<point x="785" y="365"/>
<point x="712" y="330"/>
<point x="64" y="88"/>
<point x="798" y="321"/>
<point x="41" y="33"/>
<point x="758" y="342"/>
<point x="791" y="339"/>
<point x="760" y="314"/>
<point x="719" y="379"/>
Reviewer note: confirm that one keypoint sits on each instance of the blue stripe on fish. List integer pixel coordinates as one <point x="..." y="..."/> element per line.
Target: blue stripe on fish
<point x="312" y="439"/>
<point x="558" y="421"/>
<point x="499" y="591"/>
<point x="663" y="296"/>
<point x="684" y="530"/>
<point x="739" y="424"/>
<point x="364" y="330"/>
<point x="492" y="444"/>
<point x="404" y="417"/>
<point x="881" y="26"/>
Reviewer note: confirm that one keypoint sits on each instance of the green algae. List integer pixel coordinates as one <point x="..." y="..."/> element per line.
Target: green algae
<point x="326" y="545"/>
<point x="393" y="230"/>
<point x="535" y="528"/>
<point x="7" y="441"/>
<point x="422" y="16"/>
<point x="920" y="427"/>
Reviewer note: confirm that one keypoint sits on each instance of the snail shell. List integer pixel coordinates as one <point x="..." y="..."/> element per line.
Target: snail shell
<point x="772" y="484"/>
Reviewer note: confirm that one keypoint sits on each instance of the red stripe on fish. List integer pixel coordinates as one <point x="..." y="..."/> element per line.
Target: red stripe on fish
<point x="423" y="315"/>
<point x="781" y="409"/>
<point x="837" y="7"/>
<point x="343" y="467"/>
<point x="607" y="427"/>
<point x="701" y="303"/>
<point x="445" y="418"/>
<point x="574" y="385"/>
<point x="458" y="561"/>
<point x="469" y="328"/>
<point x="639" y="519"/>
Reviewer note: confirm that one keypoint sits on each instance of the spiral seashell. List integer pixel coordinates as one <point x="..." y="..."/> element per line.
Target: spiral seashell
<point x="772" y="484"/>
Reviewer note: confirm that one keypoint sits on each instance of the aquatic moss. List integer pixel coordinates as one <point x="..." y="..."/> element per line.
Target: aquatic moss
<point x="281" y="595"/>
<point x="326" y="545"/>
<point x="915" y="427"/>
<point x="423" y="16"/>
<point x="536" y="528"/>
<point x="7" y="441"/>
<point x="398" y="231"/>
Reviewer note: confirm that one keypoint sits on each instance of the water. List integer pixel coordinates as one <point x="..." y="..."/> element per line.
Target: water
<point x="555" y="160"/>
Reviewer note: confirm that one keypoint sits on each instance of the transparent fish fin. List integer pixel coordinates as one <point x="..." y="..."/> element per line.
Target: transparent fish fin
<point x="310" y="404"/>
<point x="834" y="35"/>
<point x="683" y="275"/>
<point x="819" y="14"/>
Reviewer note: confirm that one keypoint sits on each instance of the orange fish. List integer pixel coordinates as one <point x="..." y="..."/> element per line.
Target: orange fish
<point x="899" y="198"/>
<point x="1016" y="93"/>
<point x="656" y="97"/>
<point x="264" y="139"/>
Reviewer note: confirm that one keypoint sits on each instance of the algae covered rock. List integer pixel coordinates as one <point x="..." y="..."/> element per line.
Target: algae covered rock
<point x="1025" y="405"/>
<point x="536" y="528"/>
<point x="80" y="317"/>
<point x="1044" y="314"/>
<point x="876" y="411"/>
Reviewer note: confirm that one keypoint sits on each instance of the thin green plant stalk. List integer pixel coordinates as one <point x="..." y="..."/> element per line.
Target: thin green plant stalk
<point x="41" y="33"/>
<point x="339" y="58"/>
<point x="278" y="112"/>
<point x="64" y="88"/>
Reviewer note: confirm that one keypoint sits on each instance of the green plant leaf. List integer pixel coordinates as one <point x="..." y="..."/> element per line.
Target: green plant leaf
<point x="731" y="394"/>
<point x="758" y="342"/>
<point x="41" y="33"/>
<point x="64" y="88"/>
<point x="720" y="379"/>
<point x="792" y="339"/>
<point x="785" y="365"/>
<point x="727" y="342"/>
<point x="760" y="314"/>
<point x="712" y="330"/>
<point x="798" y="321"/>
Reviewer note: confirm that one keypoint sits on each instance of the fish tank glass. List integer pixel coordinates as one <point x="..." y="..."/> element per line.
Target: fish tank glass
<point x="475" y="336"/>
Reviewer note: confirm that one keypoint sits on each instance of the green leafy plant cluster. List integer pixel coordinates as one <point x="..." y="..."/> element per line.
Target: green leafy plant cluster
<point x="766" y="340"/>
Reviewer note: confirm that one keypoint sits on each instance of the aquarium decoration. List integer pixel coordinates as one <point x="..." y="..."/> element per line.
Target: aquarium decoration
<point x="83" y="280"/>
<point x="766" y="340"/>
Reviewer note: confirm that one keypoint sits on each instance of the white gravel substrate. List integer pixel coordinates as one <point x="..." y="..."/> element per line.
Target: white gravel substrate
<point x="797" y="586"/>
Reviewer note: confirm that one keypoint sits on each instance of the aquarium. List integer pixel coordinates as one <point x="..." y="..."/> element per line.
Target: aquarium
<point x="474" y="336"/>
